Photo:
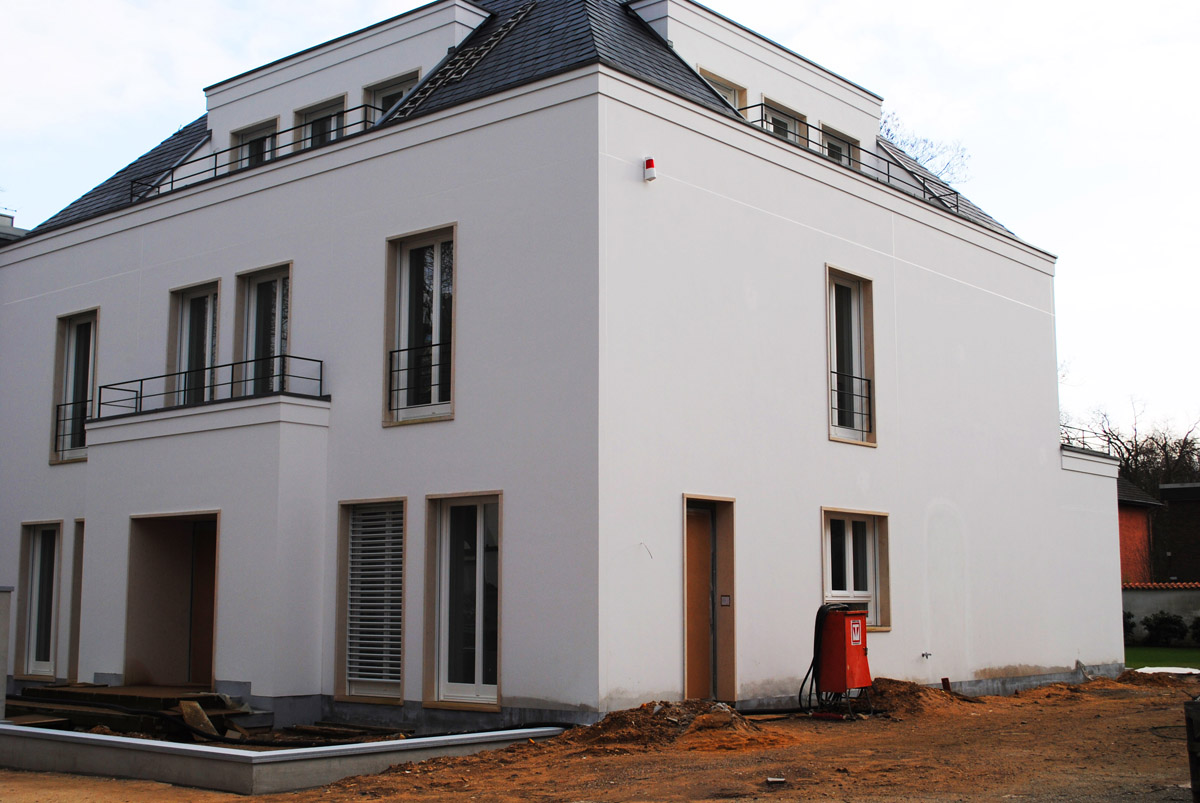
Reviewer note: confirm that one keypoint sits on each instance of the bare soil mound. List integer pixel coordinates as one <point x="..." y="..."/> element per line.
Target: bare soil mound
<point x="660" y="723"/>
<point x="902" y="697"/>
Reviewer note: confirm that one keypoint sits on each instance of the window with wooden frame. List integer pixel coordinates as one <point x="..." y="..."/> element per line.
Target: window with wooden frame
<point x="851" y="357"/>
<point x="37" y="620"/>
<point x="372" y="581"/>
<point x="75" y="379"/>
<point x="421" y="326"/>
<point x="855" y="566"/>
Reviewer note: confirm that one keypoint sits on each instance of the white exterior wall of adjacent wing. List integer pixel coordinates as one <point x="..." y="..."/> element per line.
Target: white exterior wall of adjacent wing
<point x="714" y="382"/>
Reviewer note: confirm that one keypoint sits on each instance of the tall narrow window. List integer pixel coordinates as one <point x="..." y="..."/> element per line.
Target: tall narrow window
<point x="197" y="340"/>
<point x="41" y="600"/>
<point x="468" y="599"/>
<point x="374" y="562"/>
<point x="855" y="563"/>
<point x="266" y="332"/>
<point x="77" y="362"/>
<point x="850" y="358"/>
<point x="420" y="365"/>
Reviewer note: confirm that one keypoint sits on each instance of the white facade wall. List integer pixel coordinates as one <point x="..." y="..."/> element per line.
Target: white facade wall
<point x="714" y="382"/>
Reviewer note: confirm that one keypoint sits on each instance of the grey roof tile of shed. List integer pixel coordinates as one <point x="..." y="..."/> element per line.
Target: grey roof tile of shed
<point x="115" y="193"/>
<point x="1131" y="494"/>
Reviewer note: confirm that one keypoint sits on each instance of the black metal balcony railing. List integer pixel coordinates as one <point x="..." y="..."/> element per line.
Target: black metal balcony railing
<point x="851" y="402"/>
<point x="1084" y="439"/>
<point x="281" y="374"/>
<point x="257" y="151"/>
<point x="797" y="132"/>
<point x="70" y="431"/>
<point x="418" y="376"/>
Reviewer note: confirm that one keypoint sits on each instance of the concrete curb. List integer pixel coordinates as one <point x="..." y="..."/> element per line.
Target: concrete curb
<point x="230" y="769"/>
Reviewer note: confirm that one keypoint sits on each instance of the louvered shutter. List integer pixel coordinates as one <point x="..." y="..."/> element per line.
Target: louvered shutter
<point x="375" y="603"/>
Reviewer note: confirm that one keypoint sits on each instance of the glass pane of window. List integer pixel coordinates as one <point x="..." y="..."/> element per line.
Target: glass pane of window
<point x="81" y="383"/>
<point x="446" y="286"/>
<point x="44" y="602"/>
<point x="837" y="555"/>
<point x="264" y="335"/>
<point x="862" y="563"/>
<point x="195" y="350"/>
<point x="491" y="591"/>
<point x="420" y="324"/>
<point x="461" y="595"/>
<point x="843" y="333"/>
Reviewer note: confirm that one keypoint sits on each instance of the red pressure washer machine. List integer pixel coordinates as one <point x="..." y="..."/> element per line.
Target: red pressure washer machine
<point x="839" y="664"/>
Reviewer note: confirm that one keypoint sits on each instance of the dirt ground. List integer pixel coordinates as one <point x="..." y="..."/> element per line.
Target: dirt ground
<point x="1102" y="740"/>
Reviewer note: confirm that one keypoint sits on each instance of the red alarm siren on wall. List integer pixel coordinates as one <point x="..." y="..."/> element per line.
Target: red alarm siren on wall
<point x="649" y="173"/>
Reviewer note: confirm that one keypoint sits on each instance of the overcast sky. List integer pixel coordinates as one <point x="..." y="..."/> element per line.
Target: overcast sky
<point x="1078" y="121"/>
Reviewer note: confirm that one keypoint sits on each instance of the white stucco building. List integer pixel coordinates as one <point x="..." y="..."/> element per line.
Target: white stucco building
<point x="392" y="388"/>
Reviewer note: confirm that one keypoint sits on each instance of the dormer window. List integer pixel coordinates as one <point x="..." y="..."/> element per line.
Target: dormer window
<point x="384" y="96"/>
<point x="786" y="124"/>
<point x="839" y="148"/>
<point x="321" y="125"/>
<point x="255" y="145"/>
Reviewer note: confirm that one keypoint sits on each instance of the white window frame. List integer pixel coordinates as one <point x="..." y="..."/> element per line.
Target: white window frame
<point x="374" y="580"/>
<point x="395" y="88"/>
<point x="406" y="387"/>
<point x="80" y="397"/>
<point x="478" y="692"/>
<point x="794" y="126"/>
<point x="254" y="378"/>
<point x="852" y="392"/>
<point x="873" y="554"/>
<point x="183" y="336"/>
<point x="838" y="147"/>
<point x="312" y="120"/>
<point x="36" y="575"/>
<point x="734" y="95"/>
<point x="245" y="141"/>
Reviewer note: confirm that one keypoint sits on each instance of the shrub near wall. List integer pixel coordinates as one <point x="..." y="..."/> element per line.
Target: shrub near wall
<point x="1181" y="599"/>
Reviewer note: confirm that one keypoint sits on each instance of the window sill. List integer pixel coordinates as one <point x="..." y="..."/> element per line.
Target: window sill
<point x="454" y="705"/>
<point x="60" y="461"/>
<point x="424" y="419"/>
<point x="851" y="441"/>
<point x="397" y="702"/>
<point x="879" y="628"/>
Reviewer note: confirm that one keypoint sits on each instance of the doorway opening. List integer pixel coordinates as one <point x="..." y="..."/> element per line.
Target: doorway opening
<point x="172" y="599"/>
<point x="709" y="622"/>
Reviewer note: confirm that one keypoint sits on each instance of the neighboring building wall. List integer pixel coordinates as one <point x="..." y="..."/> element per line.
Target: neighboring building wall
<point x="1135" y="544"/>
<point x="1181" y="599"/>
<point x="1177" y="533"/>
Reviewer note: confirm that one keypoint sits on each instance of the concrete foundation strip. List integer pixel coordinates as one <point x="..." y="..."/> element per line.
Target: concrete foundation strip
<point x="229" y="769"/>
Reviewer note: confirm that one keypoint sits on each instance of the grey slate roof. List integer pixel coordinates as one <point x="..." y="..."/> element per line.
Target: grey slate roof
<point x="115" y="192"/>
<point x="551" y="37"/>
<point x="922" y="176"/>
<point x="1130" y="494"/>
<point x="560" y="35"/>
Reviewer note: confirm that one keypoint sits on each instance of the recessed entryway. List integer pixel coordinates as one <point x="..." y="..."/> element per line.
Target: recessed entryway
<point x="709" y="638"/>
<point x="171" y="611"/>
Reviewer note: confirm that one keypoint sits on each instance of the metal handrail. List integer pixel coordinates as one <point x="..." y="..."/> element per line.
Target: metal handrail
<point x="231" y="160"/>
<point x="759" y="115"/>
<point x="1078" y="438"/>
<point x="419" y="376"/>
<point x="70" y="426"/>
<point x="850" y="402"/>
<point x="263" y="376"/>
